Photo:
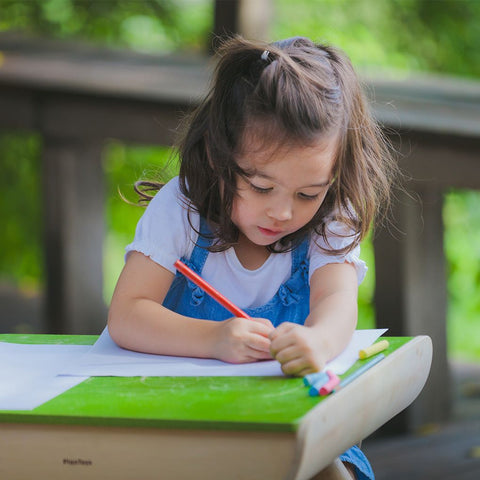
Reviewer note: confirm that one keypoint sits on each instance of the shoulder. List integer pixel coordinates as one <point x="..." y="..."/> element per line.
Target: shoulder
<point x="168" y="193"/>
<point x="164" y="232"/>
<point x="169" y="204"/>
<point x="338" y="236"/>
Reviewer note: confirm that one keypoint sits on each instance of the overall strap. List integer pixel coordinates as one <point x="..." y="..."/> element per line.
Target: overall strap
<point x="200" y="252"/>
<point x="184" y="296"/>
<point x="300" y="254"/>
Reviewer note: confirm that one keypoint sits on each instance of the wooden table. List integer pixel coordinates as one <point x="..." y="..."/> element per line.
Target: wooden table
<point x="77" y="97"/>
<point x="204" y="427"/>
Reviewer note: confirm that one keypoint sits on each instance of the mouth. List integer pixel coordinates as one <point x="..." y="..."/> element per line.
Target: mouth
<point x="269" y="232"/>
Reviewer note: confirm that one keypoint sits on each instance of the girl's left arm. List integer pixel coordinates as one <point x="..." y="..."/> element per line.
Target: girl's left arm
<point x="303" y="349"/>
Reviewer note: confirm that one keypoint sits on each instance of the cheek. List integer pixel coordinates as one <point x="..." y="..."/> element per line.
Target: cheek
<point x="243" y="207"/>
<point x="235" y="209"/>
<point x="310" y="211"/>
<point x="238" y="209"/>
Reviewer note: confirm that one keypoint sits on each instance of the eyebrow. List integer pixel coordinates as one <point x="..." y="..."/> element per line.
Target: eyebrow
<point x="268" y="177"/>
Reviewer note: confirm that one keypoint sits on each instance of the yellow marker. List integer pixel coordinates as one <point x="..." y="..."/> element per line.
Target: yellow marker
<point x="373" y="349"/>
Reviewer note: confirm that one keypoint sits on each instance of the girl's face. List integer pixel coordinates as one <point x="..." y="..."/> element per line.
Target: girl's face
<point x="287" y="186"/>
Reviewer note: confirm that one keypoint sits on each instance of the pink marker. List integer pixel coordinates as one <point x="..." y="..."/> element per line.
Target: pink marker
<point x="331" y="384"/>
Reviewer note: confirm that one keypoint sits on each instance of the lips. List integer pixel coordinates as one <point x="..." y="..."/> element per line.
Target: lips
<point x="269" y="233"/>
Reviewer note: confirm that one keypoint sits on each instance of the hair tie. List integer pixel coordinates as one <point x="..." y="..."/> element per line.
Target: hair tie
<point x="265" y="55"/>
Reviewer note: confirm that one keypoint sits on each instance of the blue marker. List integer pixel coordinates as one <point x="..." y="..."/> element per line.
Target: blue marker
<point x="321" y="379"/>
<point x="311" y="378"/>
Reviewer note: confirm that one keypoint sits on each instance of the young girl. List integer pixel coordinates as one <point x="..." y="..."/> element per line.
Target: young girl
<point x="282" y="172"/>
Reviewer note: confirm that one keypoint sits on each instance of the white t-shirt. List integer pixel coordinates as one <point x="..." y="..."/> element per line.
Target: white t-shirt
<point x="164" y="234"/>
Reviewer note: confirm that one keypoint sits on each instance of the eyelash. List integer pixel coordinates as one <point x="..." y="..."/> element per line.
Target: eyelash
<point x="308" y="197"/>
<point x="263" y="191"/>
<point x="260" y="190"/>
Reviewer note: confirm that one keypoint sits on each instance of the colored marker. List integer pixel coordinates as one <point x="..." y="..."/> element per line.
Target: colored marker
<point x="320" y="382"/>
<point x="310" y="379"/>
<point x="331" y="384"/>
<point x="373" y="349"/>
<point x="361" y="370"/>
<point x="205" y="286"/>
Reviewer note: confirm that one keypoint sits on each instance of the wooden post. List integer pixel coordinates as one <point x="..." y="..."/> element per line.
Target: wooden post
<point x="225" y="21"/>
<point x="410" y="294"/>
<point x="249" y="18"/>
<point x="255" y="18"/>
<point x="74" y="232"/>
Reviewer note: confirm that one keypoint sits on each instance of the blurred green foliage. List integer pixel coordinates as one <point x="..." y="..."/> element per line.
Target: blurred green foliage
<point x="148" y="25"/>
<point x="412" y="35"/>
<point x="123" y="167"/>
<point x="392" y="36"/>
<point x="20" y="210"/>
<point x="462" y="249"/>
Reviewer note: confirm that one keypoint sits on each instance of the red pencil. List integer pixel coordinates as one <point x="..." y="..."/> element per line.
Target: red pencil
<point x="198" y="280"/>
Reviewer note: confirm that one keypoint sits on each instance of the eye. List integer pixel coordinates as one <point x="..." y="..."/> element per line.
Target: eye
<point x="304" y="196"/>
<point x="260" y="189"/>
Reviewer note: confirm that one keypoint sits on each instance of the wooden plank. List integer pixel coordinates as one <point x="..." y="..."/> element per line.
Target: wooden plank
<point x="428" y="103"/>
<point x="83" y="118"/>
<point x="444" y="160"/>
<point x="74" y="232"/>
<point x="39" y="67"/>
<point x="91" y="453"/>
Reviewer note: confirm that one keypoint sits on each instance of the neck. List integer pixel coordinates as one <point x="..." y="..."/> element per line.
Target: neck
<point x="250" y="255"/>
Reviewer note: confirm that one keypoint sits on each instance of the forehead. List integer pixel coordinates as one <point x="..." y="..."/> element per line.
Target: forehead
<point x="270" y="154"/>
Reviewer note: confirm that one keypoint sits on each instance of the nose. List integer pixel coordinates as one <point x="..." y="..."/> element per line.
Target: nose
<point x="280" y="210"/>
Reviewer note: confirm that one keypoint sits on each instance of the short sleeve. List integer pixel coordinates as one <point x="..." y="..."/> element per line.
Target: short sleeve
<point x="163" y="233"/>
<point x="338" y="236"/>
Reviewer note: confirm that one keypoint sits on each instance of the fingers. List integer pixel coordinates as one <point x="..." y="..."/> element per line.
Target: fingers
<point x="282" y="331"/>
<point x="259" y="343"/>
<point x="265" y="326"/>
<point x="255" y="355"/>
<point x="243" y="340"/>
<point x="287" y="354"/>
<point x="281" y="337"/>
<point x="296" y="361"/>
<point x="297" y="366"/>
<point x="292" y="346"/>
<point x="258" y="339"/>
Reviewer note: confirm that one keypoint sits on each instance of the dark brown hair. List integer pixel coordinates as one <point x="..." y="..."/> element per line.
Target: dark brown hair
<point x="293" y="91"/>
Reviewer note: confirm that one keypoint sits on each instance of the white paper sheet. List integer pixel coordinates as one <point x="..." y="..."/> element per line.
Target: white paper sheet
<point x="106" y="358"/>
<point x="28" y="373"/>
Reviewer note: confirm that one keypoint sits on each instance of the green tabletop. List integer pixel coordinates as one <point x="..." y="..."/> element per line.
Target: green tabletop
<point x="228" y="403"/>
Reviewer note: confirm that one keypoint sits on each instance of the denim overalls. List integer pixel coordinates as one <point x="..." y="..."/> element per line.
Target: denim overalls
<point x="291" y="303"/>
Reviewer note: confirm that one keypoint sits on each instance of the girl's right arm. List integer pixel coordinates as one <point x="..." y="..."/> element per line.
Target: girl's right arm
<point x="138" y="321"/>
